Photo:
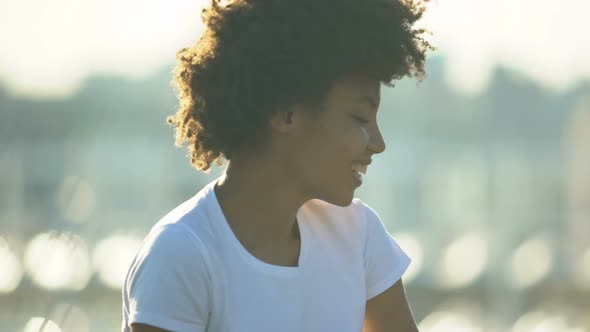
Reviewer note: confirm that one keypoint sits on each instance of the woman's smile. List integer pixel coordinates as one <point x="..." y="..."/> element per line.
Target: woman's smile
<point x="358" y="170"/>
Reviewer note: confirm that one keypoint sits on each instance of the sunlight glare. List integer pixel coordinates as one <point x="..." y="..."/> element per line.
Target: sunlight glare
<point x="444" y="321"/>
<point x="463" y="261"/>
<point x="58" y="261"/>
<point x="112" y="257"/>
<point x="531" y="262"/>
<point x="40" y="324"/>
<point x="410" y="246"/>
<point x="12" y="270"/>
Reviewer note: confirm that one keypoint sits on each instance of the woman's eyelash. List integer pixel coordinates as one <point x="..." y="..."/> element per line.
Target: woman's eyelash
<point x="361" y="120"/>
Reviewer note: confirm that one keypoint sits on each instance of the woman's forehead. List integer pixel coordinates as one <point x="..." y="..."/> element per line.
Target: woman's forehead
<point x="356" y="87"/>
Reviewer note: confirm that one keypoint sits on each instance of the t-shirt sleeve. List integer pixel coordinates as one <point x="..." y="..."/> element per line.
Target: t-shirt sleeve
<point x="385" y="261"/>
<point x="168" y="283"/>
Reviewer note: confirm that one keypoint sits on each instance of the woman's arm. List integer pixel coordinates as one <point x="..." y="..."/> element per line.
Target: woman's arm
<point x="389" y="312"/>
<point x="137" y="327"/>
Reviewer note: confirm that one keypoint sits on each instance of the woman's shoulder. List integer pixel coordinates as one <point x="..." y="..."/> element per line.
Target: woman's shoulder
<point x="172" y="241"/>
<point x="181" y="233"/>
<point x="187" y="224"/>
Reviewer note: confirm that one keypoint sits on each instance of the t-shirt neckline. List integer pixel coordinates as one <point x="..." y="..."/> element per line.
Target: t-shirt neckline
<point x="218" y="220"/>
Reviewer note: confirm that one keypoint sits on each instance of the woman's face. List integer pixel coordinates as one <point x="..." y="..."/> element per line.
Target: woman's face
<point x="345" y="133"/>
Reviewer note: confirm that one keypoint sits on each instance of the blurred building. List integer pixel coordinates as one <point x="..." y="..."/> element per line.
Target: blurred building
<point x="490" y="195"/>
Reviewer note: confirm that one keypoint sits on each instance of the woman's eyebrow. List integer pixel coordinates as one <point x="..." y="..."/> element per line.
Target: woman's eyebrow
<point x="369" y="99"/>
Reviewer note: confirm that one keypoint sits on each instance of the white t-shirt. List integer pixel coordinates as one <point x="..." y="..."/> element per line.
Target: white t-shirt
<point x="192" y="274"/>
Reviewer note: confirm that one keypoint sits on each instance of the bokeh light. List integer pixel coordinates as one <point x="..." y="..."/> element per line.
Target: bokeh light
<point x="412" y="247"/>
<point x="58" y="261"/>
<point x="12" y="270"/>
<point x="40" y="324"/>
<point x="541" y="321"/>
<point x="528" y="321"/>
<point x="531" y="262"/>
<point x="445" y="321"/>
<point x="463" y="261"/>
<point x="71" y="318"/>
<point x="581" y="270"/>
<point x="112" y="257"/>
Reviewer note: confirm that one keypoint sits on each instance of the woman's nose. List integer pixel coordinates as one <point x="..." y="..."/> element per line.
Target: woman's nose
<point x="376" y="142"/>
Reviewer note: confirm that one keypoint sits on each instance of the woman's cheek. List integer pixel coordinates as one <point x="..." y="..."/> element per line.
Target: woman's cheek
<point x="365" y="135"/>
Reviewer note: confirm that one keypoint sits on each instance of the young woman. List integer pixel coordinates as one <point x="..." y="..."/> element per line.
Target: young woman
<point x="286" y="92"/>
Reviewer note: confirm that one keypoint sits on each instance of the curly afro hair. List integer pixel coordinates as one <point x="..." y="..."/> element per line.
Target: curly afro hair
<point x="257" y="57"/>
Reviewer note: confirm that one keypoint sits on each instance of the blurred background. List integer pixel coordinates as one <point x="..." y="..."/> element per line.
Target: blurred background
<point x="485" y="181"/>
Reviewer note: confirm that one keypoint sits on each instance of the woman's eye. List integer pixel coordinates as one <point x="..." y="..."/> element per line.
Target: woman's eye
<point x="361" y="120"/>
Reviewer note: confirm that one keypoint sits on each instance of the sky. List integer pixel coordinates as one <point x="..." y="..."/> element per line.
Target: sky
<point x="50" y="47"/>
